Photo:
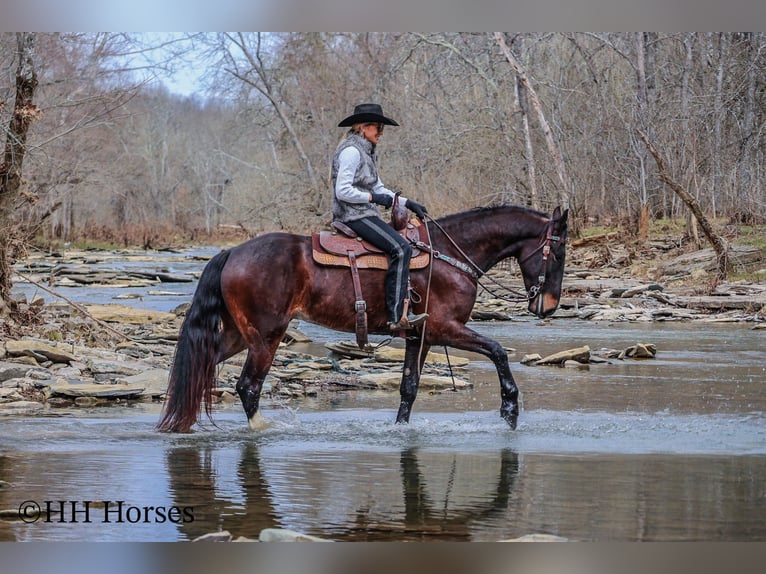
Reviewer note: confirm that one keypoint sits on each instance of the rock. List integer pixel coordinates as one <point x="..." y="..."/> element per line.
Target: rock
<point x="10" y="395"/>
<point x="36" y="349"/>
<point x="105" y="367"/>
<point x="640" y="351"/>
<point x="20" y="408"/>
<point x="285" y="535"/>
<point x="95" y="390"/>
<point x="222" y="536"/>
<point x="125" y="314"/>
<point x="580" y="354"/>
<point x="530" y="359"/>
<point x="640" y="289"/>
<point x="395" y="355"/>
<point x="12" y="370"/>
<point x="348" y="349"/>
<point x="741" y="256"/>
<point x="391" y="381"/>
<point x="154" y="381"/>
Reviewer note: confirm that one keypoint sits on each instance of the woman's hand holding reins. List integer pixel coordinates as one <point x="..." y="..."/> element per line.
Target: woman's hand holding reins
<point x="382" y="199"/>
<point x="417" y="209"/>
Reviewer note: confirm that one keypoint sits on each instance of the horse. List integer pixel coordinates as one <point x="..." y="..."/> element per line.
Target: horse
<point x="247" y="295"/>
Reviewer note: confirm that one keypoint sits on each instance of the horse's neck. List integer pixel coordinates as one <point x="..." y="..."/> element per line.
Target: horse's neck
<point x="488" y="237"/>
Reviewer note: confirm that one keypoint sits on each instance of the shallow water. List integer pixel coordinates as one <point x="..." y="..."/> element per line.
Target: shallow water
<point x="667" y="449"/>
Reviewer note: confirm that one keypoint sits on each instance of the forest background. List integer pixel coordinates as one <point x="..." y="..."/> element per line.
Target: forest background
<point x="109" y="154"/>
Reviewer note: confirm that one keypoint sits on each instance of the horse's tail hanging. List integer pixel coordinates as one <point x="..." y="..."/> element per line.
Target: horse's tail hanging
<point x="192" y="376"/>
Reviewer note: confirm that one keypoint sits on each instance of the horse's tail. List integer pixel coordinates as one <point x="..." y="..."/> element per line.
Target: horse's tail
<point x="192" y="376"/>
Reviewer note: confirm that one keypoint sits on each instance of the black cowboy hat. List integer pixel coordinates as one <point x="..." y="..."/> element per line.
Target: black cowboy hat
<point x="367" y="113"/>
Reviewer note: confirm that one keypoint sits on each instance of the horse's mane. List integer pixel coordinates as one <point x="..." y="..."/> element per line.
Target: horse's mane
<point x="493" y="208"/>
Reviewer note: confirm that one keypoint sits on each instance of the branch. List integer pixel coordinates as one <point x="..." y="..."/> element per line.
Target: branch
<point x="80" y="308"/>
<point x="719" y="245"/>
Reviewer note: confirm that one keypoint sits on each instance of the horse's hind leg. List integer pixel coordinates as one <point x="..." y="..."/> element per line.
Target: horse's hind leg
<point x="414" y="358"/>
<point x="250" y="384"/>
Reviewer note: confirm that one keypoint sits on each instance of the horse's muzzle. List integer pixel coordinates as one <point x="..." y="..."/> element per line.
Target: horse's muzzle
<point x="543" y="305"/>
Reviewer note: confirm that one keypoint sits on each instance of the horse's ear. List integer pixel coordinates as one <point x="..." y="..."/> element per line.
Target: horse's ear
<point x="564" y="216"/>
<point x="556" y="213"/>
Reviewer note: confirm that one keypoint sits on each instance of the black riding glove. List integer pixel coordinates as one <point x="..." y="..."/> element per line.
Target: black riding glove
<point x="382" y="199"/>
<point x="417" y="209"/>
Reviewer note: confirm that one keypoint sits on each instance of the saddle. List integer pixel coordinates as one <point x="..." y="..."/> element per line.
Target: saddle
<point x="332" y="248"/>
<point x="342" y="247"/>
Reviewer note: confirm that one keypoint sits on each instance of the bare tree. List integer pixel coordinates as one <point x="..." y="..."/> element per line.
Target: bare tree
<point x="25" y="111"/>
<point x="719" y="245"/>
<point x="565" y="192"/>
<point x="247" y="57"/>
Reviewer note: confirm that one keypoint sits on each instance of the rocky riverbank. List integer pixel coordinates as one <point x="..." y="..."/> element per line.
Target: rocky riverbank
<point x="66" y="354"/>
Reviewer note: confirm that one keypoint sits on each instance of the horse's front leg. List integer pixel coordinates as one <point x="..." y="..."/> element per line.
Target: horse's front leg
<point x="461" y="337"/>
<point x="414" y="358"/>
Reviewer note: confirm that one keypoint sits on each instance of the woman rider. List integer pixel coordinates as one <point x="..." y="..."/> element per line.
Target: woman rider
<point x="357" y="189"/>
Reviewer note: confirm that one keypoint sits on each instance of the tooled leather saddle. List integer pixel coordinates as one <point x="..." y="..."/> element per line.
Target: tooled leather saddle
<point x="333" y="248"/>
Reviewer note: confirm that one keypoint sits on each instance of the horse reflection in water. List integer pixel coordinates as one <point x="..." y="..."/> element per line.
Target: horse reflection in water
<point x="247" y="296"/>
<point x="430" y="505"/>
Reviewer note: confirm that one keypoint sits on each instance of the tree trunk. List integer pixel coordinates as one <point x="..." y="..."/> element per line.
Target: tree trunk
<point x="744" y="162"/>
<point x="24" y="112"/>
<point x="719" y="112"/>
<point x="523" y="103"/>
<point x="719" y="246"/>
<point x="566" y="190"/>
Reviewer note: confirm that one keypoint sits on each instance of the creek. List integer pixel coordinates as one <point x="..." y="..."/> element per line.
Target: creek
<point x="666" y="449"/>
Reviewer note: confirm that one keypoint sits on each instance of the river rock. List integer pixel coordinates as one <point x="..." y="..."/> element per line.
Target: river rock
<point x="391" y="381"/>
<point x="10" y="395"/>
<point x="12" y="370"/>
<point x="38" y="349"/>
<point x="154" y="381"/>
<point x="395" y="355"/>
<point x="531" y="358"/>
<point x="106" y="369"/>
<point x="20" y="408"/>
<point x="124" y="314"/>
<point x="536" y="538"/>
<point x="580" y="354"/>
<point x="285" y="535"/>
<point x="220" y="536"/>
<point x="640" y="351"/>
<point x="95" y="390"/>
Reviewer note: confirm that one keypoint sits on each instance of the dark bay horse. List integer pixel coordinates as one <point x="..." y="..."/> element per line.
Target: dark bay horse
<point x="247" y="295"/>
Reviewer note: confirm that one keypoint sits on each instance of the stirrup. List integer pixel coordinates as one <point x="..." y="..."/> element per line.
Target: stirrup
<point x="408" y="322"/>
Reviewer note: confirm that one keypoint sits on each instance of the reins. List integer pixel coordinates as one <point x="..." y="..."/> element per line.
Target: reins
<point x="472" y="269"/>
<point x="478" y="273"/>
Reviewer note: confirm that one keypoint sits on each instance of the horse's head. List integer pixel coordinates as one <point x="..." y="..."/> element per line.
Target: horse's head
<point x="541" y="260"/>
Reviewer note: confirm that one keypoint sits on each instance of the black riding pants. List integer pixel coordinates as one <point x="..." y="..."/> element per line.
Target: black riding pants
<point x="385" y="237"/>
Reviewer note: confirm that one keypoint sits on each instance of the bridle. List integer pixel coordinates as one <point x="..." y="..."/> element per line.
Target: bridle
<point x="545" y="247"/>
<point x="478" y="273"/>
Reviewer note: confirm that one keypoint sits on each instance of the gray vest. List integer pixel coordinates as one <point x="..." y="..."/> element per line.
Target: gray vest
<point x="365" y="177"/>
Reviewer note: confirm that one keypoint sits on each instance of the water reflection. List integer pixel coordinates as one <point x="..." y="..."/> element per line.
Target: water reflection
<point x="422" y="495"/>
<point x="441" y="500"/>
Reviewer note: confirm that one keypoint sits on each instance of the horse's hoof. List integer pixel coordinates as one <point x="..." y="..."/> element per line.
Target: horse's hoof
<point x="511" y="419"/>
<point x="257" y="422"/>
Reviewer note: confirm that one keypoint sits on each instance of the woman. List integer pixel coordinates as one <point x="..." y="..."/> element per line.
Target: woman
<point x="357" y="190"/>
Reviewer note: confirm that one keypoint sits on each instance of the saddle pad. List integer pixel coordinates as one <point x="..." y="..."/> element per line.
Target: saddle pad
<point x="372" y="261"/>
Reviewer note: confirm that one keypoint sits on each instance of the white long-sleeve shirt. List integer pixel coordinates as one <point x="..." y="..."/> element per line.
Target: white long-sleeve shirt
<point x="348" y="162"/>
